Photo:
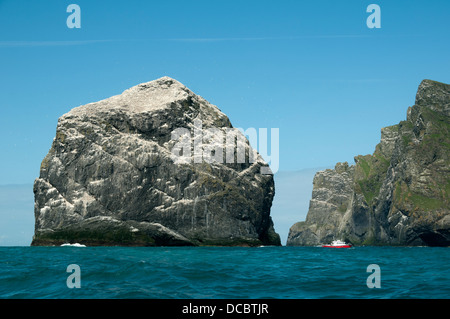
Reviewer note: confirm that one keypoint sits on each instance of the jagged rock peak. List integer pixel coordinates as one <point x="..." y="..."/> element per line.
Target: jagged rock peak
<point x="435" y="95"/>
<point x="141" y="98"/>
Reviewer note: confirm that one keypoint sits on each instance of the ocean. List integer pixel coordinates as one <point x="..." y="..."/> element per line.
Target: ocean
<point x="224" y="272"/>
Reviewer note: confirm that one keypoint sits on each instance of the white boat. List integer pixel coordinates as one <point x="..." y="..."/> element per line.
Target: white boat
<point x="73" y="245"/>
<point x="337" y="244"/>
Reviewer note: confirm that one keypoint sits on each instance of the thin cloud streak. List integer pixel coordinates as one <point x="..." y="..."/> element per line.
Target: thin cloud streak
<point x="11" y="44"/>
<point x="5" y="44"/>
<point x="269" y="38"/>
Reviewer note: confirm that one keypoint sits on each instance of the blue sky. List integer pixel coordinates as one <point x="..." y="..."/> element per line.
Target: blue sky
<point x="310" y="68"/>
<point x="313" y="69"/>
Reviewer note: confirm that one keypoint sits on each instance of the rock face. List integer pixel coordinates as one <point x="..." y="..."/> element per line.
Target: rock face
<point x="111" y="177"/>
<point x="399" y="195"/>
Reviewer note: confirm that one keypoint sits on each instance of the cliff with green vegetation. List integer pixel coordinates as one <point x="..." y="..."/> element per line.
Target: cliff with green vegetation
<point x="399" y="195"/>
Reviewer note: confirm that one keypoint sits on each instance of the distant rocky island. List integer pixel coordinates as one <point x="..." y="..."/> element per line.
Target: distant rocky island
<point x="110" y="177"/>
<point x="399" y="195"/>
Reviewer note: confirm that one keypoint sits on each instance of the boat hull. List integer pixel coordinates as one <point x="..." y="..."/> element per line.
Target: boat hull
<point x="337" y="246"/>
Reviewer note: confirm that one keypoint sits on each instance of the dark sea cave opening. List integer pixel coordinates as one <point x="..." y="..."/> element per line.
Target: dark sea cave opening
<point x="435" y="239"/>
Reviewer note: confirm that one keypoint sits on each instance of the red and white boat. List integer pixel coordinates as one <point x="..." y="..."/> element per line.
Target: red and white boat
<point x="337" y="244"/>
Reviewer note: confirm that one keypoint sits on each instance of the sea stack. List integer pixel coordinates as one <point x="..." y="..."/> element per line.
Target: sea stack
<point x="112" y="175"/>
<point x="399" y="195"/>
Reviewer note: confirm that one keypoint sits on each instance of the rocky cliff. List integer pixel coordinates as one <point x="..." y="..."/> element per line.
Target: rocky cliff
<point x="111" y="178"/>
<point x="399" y="195"/>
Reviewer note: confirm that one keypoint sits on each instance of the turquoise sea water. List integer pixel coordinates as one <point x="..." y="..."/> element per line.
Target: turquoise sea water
<point x="224" y="272"/>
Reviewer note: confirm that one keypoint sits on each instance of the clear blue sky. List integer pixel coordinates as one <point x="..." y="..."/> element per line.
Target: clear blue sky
<point x="310" y="68"/>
